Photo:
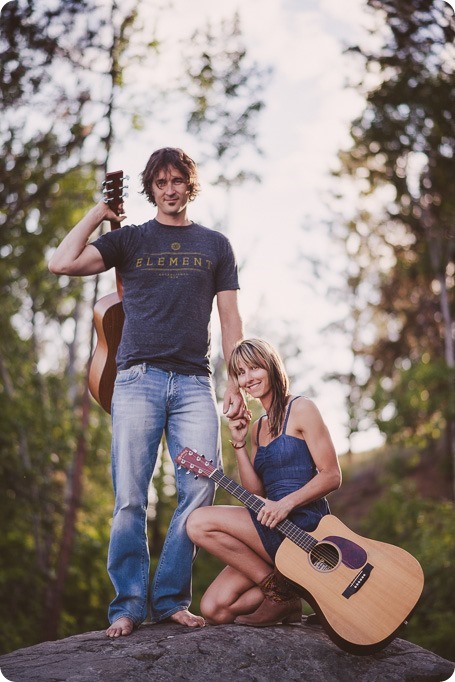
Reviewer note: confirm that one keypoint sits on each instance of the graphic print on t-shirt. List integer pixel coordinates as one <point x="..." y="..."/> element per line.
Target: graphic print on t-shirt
<point x="174" y="264"/>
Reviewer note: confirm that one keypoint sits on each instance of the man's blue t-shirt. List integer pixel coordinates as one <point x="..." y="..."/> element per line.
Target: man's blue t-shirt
<point x="170" y="277"/>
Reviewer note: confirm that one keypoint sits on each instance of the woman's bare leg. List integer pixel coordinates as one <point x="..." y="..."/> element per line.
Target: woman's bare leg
<point x="231" y="594"/>
<point x="229" y="534"/>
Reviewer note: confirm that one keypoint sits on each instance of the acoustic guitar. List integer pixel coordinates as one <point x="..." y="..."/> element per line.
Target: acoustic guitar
<point x="362" y="590"/>
<point x="108" y="315"/>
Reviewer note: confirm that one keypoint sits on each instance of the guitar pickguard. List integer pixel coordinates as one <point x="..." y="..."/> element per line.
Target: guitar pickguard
<point x="352" y="555"/>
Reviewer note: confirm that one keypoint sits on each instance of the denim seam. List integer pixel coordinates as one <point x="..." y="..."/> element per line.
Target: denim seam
<point x="170" y="613"/>
<point x="127" y="614"/>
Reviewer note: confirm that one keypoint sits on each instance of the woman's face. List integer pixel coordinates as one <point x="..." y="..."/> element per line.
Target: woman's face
<point x="254" y="380"/>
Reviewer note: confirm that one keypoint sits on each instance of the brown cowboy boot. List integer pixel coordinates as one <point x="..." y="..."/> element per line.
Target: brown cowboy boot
<point x="281" y="604"/>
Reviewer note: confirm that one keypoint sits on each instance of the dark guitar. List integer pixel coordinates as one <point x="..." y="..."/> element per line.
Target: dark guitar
<point x="108" y="315"/>
<point x="362" y="590"/>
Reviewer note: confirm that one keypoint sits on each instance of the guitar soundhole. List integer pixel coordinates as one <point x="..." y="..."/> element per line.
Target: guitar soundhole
<point x="324" y="556"/>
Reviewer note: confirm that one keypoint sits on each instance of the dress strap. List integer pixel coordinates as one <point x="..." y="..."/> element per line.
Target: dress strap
<point x="259" y="429"/>
<point x="287" y="414"/>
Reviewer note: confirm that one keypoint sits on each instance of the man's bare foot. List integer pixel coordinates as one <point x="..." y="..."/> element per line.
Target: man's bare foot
<point x="184" y="617"/>
<point x="123" y="626"/>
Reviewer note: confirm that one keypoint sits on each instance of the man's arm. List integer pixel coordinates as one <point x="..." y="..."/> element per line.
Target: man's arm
<point x="74" y="256"/>
<point x="231" y="332"/>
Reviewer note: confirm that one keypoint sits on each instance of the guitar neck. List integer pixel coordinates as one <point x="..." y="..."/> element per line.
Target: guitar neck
<point x="118" y="280"/>
<point x="113" y="195"/>
<point x="300" y="537"/>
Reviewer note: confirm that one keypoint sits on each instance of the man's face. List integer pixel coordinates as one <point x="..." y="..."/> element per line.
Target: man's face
<point x="170" y="191"/>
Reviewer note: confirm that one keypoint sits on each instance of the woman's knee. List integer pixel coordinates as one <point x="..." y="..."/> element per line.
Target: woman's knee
<point x="214" y="612"/>
<point x="196" y="524"/>
<point x="208" y="608"/>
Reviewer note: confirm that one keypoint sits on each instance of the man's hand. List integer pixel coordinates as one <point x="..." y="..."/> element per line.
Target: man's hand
<point x="111" y="215"/>
<point x="234" y="405"/>
<point x="103" y="211"/>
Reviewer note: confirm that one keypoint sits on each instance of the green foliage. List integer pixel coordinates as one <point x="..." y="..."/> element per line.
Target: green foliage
<point x="88" y="589"/>
<point x="38" y="431"/>
<point x="425" y="528"/>
<point x="423" y="403"/>
<point x="47" y="55"/>
<point x="56" y="62"/>
<point x="400" y="239"/>
<point x="224" y="89"/>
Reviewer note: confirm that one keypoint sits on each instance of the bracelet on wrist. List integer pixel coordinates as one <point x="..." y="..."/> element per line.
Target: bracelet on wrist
<point x="238" y="446"/>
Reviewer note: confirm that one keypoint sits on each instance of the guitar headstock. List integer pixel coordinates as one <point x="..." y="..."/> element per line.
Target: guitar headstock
<point x="114" y="189"/>
<point x="195" y="463"/>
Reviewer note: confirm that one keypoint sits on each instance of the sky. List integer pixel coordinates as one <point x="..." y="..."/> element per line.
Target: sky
<point x="277" y="225"/>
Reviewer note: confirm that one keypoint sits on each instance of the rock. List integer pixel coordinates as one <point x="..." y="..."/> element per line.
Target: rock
<point x="165" y="652"/>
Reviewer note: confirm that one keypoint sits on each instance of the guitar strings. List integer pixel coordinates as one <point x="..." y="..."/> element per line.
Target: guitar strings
<point x="324" y="553"/>
<point x="320" y="552"/>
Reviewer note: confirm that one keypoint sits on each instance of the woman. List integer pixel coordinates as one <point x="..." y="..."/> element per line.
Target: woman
<point x="291" y="467"/>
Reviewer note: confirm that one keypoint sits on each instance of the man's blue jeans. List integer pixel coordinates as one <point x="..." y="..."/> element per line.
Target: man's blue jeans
<point x="147" y="402"/>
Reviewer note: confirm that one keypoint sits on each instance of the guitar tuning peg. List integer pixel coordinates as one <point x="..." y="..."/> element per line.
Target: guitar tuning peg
<point x="125" y="194"/>
<point x="187" y="472"/>
<point x="196" y="477"/>
<point x="126" y="177"/>
<point x="179" y="467"/>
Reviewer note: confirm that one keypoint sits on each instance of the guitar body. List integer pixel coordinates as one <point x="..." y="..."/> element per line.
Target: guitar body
<point x="363" y="590"/>
<point x="108" y="317"/>
<point x="108" y="314"/>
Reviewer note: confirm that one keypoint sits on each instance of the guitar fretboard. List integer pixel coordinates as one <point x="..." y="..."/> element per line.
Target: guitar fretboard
<point x="301" y="538"/>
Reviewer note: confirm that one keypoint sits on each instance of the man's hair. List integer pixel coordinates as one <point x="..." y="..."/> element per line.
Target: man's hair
<point x="260" y="353"/>
<point x="162" y="159"/>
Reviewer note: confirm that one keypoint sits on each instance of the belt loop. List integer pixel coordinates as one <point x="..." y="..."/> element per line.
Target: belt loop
<point x="144" y="367"/>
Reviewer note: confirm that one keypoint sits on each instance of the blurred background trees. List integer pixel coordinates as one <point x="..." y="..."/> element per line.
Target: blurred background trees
<point x="70" y="94"/>
<point x="400" y="246"/>
<point x="400" y="237"/>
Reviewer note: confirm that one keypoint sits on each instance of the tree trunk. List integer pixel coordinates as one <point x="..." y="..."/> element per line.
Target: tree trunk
<point x="55" y="593"/>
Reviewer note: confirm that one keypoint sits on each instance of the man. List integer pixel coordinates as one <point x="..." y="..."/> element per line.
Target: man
<point x="171" y="269"/>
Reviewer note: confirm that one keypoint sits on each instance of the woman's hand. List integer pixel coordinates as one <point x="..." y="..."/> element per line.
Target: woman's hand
<point x="239" y="427"/>
<point x="274" y="512"/>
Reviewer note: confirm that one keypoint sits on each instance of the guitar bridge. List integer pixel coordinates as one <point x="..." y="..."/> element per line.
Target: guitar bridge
<point x="359" y="581"/>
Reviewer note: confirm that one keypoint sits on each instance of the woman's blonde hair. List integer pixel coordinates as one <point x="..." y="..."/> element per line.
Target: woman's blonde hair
<point x="260" y="353"/>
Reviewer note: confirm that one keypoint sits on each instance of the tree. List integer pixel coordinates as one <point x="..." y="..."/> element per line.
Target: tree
<point x="34" y="160"/>
<point x="401" y="241"/>
<point x="75" y="67"/>
<point x="55" y="62"/>
<point x="116" y="51"/>
<point x="225" y="89"/>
